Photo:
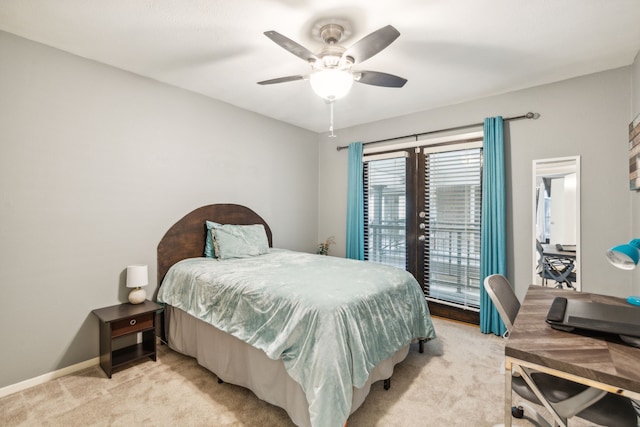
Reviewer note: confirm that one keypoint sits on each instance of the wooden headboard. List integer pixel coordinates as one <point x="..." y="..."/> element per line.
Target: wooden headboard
<point x="186" y="238"/>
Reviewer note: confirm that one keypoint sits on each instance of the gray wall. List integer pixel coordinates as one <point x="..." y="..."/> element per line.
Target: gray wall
<point x="586" y="116"/>
<point x="95" y="165"/>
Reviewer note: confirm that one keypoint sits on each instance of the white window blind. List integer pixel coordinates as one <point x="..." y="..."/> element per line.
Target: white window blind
<point x="385" y="209"/>
<point x="453" y="202"/>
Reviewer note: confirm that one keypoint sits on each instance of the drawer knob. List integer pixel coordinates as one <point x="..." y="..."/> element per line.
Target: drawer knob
<point x="132" y="322"/>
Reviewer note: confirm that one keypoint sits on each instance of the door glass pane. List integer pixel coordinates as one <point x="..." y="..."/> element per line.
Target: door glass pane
<point x="385" y="211"/>
<point x="453" y="202"/>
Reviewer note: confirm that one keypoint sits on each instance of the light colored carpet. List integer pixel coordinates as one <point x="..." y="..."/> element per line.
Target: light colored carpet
<point x="457" y="381"/>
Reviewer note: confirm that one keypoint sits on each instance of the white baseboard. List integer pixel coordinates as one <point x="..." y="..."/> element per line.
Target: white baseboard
<point x="23" y="385"/>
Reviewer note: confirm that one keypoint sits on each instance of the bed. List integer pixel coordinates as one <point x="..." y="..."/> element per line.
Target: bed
<point x="307" y="333"/>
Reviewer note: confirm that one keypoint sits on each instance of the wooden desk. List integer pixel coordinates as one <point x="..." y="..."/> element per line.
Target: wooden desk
<point x="597" y="360"/>
<point x="552" y="251"/>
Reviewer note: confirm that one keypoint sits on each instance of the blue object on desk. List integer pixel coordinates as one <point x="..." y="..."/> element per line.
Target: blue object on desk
<point x="635" y="300"/>
<point x="625" y="256"/>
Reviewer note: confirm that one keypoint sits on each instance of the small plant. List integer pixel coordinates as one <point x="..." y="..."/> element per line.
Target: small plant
<point x="323" y="248"/>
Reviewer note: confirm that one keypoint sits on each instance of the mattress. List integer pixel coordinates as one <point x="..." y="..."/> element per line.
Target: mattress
<point x="233" y="361"/>
<point x="329" y="320"/>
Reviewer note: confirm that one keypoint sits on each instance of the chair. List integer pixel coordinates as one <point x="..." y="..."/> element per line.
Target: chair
<point x="565" y="397"/>
<point x="560" y="270"/>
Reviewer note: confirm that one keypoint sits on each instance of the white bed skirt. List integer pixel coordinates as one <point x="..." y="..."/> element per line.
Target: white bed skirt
<point x="237" y="362"/>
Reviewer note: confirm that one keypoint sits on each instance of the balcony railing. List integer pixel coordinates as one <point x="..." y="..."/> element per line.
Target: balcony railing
<point x="452" y="263"/>
<point x="452" y="266"/>
<point x="386" y="243"/>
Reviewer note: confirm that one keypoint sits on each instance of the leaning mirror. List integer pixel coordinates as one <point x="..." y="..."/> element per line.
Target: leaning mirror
<point x="556" y="222"/>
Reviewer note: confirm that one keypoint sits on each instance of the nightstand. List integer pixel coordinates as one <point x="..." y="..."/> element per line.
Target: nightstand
<point x="121" y="320"/>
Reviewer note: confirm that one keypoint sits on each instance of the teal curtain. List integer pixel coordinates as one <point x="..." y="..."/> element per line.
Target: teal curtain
<point x="493" y="228"/>
<point x="355" y="204"/>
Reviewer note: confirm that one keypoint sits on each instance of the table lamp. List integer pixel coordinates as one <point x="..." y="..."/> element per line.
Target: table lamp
<point x="137" y="276"/>
<point x="626" y="257"/>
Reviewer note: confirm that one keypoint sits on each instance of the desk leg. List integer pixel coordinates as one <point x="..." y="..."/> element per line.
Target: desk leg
<point x="507" y="392"/>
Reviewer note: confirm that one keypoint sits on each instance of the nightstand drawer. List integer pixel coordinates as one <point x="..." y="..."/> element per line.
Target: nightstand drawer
<point x="133" y="324"/>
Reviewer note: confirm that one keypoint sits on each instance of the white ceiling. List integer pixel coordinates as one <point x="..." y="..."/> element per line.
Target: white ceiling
<point x="451" y="51"/>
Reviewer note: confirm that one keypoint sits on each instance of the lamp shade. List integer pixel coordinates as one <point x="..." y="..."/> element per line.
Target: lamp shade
<point x="331" y="84"/>
<point x="137" y="276"/>
<point x="625" y="256"/>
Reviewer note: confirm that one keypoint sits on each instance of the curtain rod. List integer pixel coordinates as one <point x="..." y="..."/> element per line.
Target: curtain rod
<point x="529" y="115"/>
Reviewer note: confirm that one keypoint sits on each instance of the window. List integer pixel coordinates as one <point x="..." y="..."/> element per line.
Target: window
<point x="385" y="194"/>
<point x="422" y="212"/>
<point x="453" y="203"/>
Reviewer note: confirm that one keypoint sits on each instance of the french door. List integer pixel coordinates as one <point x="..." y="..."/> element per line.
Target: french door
<point x="422" y="213"/>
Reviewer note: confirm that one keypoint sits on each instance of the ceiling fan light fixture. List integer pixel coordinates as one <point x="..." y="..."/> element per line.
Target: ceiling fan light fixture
<point x="331" y="84"/>
<point x="332" y="76"/>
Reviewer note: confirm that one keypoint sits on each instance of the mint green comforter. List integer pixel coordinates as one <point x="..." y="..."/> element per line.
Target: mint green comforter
<point x="331" y="320"/>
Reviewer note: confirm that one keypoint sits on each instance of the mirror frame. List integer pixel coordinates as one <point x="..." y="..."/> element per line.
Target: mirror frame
<point x="534" y="263"/>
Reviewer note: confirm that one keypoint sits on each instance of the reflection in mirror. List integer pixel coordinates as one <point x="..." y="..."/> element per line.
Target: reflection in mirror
<point x="556" y="222"/>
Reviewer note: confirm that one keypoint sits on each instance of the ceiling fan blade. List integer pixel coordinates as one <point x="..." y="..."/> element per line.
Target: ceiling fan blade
<point x="281" y="80"/>
<point x="291" y="46"/>
<point x="376" y="78"/>
<point x="370" y="45"/>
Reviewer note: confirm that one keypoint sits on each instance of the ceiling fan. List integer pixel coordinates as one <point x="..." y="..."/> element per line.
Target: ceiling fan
<point x="331" y="69"/>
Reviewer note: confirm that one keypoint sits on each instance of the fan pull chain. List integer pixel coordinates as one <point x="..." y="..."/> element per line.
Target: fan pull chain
<point x="331" y="121"/>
